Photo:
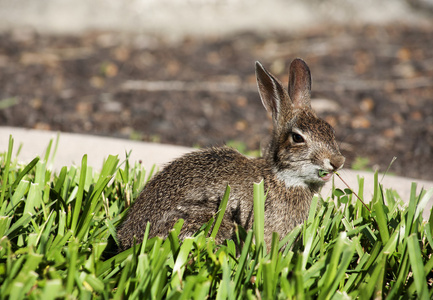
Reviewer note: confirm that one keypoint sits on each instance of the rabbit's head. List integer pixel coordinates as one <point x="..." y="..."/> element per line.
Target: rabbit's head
<point x="303" y="151"/>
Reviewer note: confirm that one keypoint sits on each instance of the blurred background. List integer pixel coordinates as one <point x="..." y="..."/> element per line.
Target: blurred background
<point x="182" y="71"/>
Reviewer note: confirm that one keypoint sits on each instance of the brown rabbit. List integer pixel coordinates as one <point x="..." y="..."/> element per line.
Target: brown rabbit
<point x="301" y="157"/>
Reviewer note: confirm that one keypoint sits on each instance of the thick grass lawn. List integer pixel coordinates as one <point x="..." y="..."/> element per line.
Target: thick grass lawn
<point x="57" y="233"/>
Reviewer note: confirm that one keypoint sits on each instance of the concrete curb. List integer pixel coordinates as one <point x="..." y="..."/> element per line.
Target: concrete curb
<point x="72" y="147"/>
<point x="175" y="19"/>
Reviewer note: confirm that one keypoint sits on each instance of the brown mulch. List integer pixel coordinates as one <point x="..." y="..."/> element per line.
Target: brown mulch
<point x="373" y="84"/>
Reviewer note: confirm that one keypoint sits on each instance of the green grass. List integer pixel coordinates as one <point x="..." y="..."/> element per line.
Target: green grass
<point x="55" y="229"/>
<point x="242" y="148"/>
<point x="361" y="164"/>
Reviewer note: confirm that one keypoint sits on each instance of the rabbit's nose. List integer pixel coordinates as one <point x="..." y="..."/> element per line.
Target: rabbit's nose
<point x="337" y="162"/>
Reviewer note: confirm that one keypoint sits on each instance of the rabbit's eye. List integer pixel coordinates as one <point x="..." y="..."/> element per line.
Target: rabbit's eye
<point x="297" y="138"/>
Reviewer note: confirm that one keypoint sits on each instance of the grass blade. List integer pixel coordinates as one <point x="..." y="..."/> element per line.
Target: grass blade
<point x="417" y="267"/>
<point x="221" y="212"/>
<point x="6" y="170"/>
<point x="80" y="194"/>
<point x="422" y="203"/>
<point x="259" y="215"/>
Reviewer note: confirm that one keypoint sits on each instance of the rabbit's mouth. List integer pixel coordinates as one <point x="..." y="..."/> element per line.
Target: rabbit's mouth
<point x="325" y="175"/>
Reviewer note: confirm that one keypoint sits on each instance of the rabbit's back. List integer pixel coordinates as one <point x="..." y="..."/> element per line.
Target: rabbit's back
<point x="192" y="188"/>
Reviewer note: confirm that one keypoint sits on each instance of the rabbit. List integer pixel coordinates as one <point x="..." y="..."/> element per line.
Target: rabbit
<point x="301" y="157"/>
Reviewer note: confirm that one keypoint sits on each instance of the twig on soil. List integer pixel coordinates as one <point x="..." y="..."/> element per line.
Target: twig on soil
<point x="235" y="86"/>
<point x="217" y="86"/>
<point x="370" y="85"/>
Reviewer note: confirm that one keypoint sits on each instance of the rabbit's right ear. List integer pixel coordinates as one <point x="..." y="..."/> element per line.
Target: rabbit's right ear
<point x="274" y="97"/>
<point x="300" y="84"/>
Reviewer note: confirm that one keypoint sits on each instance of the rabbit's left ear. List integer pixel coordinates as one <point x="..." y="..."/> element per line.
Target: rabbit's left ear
<point x="300" y="84"/>
<point x="274" y="97"/>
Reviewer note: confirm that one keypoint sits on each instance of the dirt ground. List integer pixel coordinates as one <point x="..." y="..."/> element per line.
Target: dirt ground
<point x="373" y="84"/>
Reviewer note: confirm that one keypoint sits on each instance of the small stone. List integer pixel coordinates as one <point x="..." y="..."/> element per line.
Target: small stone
<point x="278" y="67"/>
<point x="122" y="53"/>
<point x="127" y="130"/>
<point x="389" y="133"/>
<point x="324" y="105"/>
<point x="344" y="119"/>
<point x="331" y="120"/>
<point x="106" y="40"/>
<point x="87" y="126"/>
<point x="42" y="126"/>
<point x="173" y="68"/>
<point x="405" y="70"/>
<point x="367" y="104"/>
<point x="398" y="118"/>
<point x="36" y="103"/>
<point x="84" y="107"/>
<point x="112" y="106"/>
<point x="213" y="58"/>
<point x="4" y="59"/>
<point x="241" y="101"/>
<point x="46" y="59"/>
<point x="97" y="82"/>
<point x="416" y="115"/>
<point x="241" y="125"/>
<point x="389" y="87"/>
<point x="404" y="54"/>
<point x="110" y="69"/>
<point x="363" y="62"/>
<point x="360" y="122"/>
<point x="126" y="114"/>
<point x="252" y="80"/>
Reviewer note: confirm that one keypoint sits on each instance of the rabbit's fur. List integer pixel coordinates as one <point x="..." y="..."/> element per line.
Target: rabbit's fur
<point x="191" y="187"/>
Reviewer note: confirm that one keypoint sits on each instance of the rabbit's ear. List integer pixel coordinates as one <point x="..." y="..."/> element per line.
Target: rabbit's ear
<point x="274" y="97"/>
<point x="300" y="84"/>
